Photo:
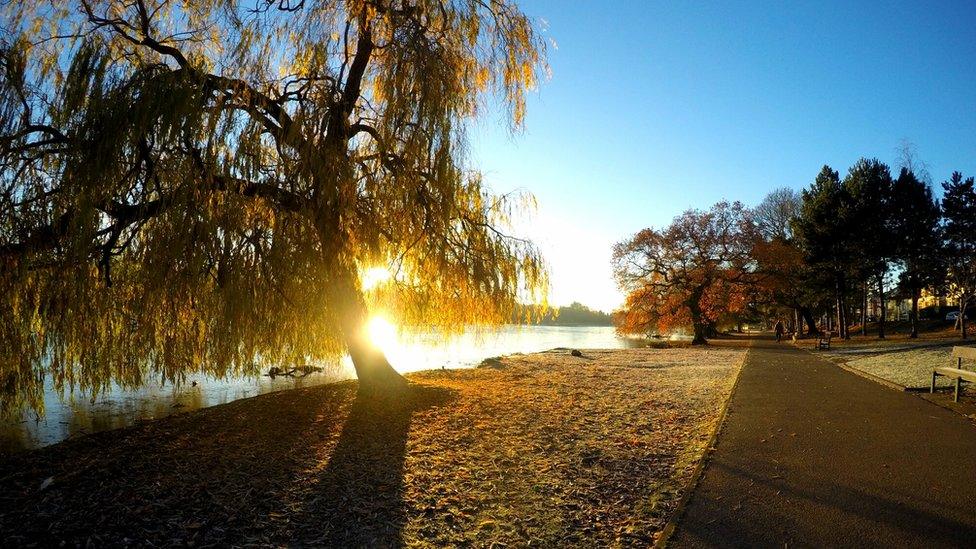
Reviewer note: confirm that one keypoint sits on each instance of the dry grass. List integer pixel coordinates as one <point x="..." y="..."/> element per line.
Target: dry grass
<point x="896" y="338"/>
<point x="897" y="358"/>
<point x="543" y="449"/>
<point x="910" y="368"/>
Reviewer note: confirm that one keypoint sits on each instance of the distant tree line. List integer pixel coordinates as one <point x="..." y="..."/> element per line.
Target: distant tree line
<point x="821" y="253"/>
<point x="576" y="314"/>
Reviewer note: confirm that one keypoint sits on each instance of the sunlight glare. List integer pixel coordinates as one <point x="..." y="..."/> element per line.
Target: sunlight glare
<point x="374" y="276"/>
<point x="382" y="333"/>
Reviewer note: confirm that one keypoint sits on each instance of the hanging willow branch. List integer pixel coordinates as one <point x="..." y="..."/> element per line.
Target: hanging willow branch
<point x="191" y="186"/>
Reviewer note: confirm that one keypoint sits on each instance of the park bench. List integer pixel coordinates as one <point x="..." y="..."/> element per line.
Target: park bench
<point x="824" y="343"/>
<point x="957" y="373"/>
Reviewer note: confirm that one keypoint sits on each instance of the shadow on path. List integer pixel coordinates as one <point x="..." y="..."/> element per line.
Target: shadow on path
<point x="813" y="455"/>
<point x="889" y="511"/>
<point x="238" y="474"/>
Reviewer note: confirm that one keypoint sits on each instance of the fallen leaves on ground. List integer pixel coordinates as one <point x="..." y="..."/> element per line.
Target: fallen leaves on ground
<point x="543" y="449"/>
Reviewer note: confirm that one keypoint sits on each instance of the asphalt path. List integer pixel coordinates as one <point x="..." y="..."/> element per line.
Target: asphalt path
<point x="812" y="455"/>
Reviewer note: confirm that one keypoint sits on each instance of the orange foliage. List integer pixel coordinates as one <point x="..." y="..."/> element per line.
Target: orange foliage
<point x="689" y="274"/>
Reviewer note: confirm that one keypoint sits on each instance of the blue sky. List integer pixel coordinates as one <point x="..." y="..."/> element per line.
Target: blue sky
<point x="654" y="108"/>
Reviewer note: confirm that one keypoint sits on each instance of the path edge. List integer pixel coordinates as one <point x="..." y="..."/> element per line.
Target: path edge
<point x="699" y="472"/>
<point x="867" y="375"/>
<point x="919" y="392"/>
<point x="856" y="371"/>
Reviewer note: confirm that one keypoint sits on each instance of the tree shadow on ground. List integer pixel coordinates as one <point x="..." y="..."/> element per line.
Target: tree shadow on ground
<point x="242" y="473"/>
<point x="357" y="499"/>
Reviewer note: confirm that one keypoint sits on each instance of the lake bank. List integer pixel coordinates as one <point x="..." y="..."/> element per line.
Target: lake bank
<point x="79" y="415"/>
<point x="544" y="448"/>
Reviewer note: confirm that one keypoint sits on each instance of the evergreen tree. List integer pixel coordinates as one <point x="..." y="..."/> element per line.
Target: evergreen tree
<point x="870" y="221"/>
<point x="919" y="250"/>
<point x="959" y="211"/>
<point x="823" y="230"/>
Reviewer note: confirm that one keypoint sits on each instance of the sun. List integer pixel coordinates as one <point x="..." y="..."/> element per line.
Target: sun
<point x="382" y="333"/>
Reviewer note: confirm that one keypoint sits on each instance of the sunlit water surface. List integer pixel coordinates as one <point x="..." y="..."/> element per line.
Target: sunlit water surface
<point x="76" y="414"/>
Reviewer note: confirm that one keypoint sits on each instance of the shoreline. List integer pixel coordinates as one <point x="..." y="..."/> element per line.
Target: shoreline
<point x="77" y="415"/>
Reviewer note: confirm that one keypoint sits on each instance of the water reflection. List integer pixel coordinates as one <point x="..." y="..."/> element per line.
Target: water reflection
<point x="429" y="350"/>
<point x="76" y="415"/>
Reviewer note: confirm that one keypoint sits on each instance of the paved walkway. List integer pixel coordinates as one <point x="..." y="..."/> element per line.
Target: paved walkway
<point x="812" y="455"/>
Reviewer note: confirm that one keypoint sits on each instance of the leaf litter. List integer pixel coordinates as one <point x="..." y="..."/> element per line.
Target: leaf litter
<point x="535" y="450"/>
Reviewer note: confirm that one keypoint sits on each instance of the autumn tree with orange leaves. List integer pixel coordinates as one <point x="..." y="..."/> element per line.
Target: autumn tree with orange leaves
<point x="688" y="274"/>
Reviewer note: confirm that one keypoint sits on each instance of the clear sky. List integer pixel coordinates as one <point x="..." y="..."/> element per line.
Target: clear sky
<point x="654" y="108"/>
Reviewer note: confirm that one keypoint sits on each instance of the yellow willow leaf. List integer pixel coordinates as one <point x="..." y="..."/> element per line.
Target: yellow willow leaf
<point x="219" y="277"/>
<point x="482" y="78"/>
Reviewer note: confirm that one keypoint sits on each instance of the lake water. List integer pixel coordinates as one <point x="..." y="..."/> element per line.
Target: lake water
<point x="77" y="415"/>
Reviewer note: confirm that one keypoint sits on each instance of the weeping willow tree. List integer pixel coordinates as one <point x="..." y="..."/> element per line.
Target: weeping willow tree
<point x="199" y="186"/>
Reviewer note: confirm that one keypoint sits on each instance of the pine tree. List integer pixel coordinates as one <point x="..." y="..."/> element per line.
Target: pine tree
<point x="959" y="212"/>
<point x="916" y="217"/>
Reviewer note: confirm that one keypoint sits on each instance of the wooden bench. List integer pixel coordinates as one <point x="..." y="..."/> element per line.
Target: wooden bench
<point x="957" y="373"/>
<point x="824" y="343"/>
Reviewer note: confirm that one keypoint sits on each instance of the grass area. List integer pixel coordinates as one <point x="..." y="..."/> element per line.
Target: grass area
<point x="543" y="449"/>
<point x="898" y="358"/>
<point x="896" y="336"/>
<point x="911" y="368"/>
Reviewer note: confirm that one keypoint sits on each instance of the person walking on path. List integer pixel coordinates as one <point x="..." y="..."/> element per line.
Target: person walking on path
<point x="779" y="330"/>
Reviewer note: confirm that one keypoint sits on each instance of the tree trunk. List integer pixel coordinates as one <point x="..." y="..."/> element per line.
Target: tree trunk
<point x="698" y="322"/>
<point x="841" y="310"/>
<point x="811" y="323"/>
<point x="914" y="333"/>
<point x="962" y="314"/>
<point x="884" y="310"/>
<point x="376" y="375"/>
<point x="332" y="175"/>
<point x="864" y="308"/>
<point x="845" y="321"/>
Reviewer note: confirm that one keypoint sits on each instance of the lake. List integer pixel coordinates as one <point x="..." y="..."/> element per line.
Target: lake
<point x="77" y="415"/>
